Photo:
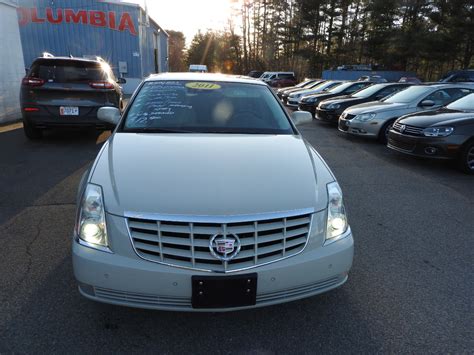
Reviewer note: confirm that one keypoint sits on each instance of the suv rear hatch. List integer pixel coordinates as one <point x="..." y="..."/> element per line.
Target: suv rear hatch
<point x="61" y="87"/>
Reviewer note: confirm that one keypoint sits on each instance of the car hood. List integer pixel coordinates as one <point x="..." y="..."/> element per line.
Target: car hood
<point x="210" y="174"/>
<point x="376" y="106"/>
<point x="440" y="117"/>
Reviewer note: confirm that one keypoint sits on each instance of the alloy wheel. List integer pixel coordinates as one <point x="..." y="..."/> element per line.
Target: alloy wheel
<point x="470" y="158"/>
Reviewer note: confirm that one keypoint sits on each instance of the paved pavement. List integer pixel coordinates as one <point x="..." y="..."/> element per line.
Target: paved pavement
<point x="410" y="289"/>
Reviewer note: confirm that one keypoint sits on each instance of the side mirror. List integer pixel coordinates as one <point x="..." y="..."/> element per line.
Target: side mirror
<point x="427" y="103"/>
<point x="121" y="81"/>
<point x="301" y="117"/>
<point x="109" y="114"/>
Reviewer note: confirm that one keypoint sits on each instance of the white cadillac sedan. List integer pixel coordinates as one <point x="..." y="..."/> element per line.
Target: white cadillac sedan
<point x="206" y="198"/>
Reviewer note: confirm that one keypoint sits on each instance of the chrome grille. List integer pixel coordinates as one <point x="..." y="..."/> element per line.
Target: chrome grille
<point x="409" y="130"/>
<point x="186" y="244"/>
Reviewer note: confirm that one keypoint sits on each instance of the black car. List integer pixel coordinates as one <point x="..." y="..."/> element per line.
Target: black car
<point x="459" y="76"/>
<point x="331" y="109"/>
<point x="309" y="103"/>
<point x="67" y="92"/>
<point x="447" y="133"/>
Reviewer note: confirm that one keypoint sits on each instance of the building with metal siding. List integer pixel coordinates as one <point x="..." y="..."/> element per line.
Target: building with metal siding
<point x="121" y="33"/>
<point x="11" y="63"/>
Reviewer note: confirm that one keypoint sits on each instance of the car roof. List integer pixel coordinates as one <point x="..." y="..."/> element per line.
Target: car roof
<point x="206" y="77"/>
<point x="72" y="59"/>
<point x="447" y="85"/>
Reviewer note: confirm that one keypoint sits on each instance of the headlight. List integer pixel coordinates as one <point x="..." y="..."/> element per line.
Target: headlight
<point x="337" y="220"/>
<point x="438" y="131"/>
<point x="295" y="96"/>
<point x="91" y="227"/>
<point x="365" y="117"/>
<point x="310" y="99"/>
<point x="333" y="106"/>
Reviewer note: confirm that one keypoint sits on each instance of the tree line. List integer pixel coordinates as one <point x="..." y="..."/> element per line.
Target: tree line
<point x="429" y="37"/>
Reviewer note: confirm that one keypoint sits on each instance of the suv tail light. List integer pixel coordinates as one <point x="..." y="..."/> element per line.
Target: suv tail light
<point x="32" y="81"/>
<point x="101" y="85"/>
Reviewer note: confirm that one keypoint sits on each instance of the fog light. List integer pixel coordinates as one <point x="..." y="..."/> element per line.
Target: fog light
<point x="430" y="150"/>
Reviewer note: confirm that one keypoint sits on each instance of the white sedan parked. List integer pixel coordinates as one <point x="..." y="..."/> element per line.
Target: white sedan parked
<point x="206" y="197"/>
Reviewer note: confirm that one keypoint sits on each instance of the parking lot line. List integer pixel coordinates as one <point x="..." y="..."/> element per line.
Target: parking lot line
<point x="11" y="127"/>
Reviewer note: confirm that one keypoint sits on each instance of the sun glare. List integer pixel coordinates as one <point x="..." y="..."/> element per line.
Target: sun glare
<point x="190" y="16"/>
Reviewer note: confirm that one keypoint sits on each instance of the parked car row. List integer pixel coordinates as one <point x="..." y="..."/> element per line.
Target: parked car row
<point x="428" y="120"/>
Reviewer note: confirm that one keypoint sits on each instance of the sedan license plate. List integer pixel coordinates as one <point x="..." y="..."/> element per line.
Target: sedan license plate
<point x="69" y="111"/>
<point x="224" y="291"/>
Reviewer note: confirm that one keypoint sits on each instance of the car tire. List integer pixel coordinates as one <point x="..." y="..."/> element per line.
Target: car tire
<point x="31" y="132"/>
<point x="466" y="158"/>
<point x="383" y="134"/>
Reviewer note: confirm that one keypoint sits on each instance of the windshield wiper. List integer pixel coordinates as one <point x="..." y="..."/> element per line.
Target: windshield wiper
<point x="154" y="130"/>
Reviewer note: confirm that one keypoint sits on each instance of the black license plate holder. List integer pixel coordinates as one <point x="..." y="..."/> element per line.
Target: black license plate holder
<point x="224" y="291"/>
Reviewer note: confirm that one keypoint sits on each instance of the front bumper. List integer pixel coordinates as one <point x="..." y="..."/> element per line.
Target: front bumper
<point x="292" y="103"/>
<point x="327" y="115"/>
<point x="426" y="147"/>
<point x="307" y="107"/>
<point x="369" y="129"/>
<point x="122" y="278"/>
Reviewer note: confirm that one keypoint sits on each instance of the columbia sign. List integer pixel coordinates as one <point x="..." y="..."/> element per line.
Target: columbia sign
<point x="120" y="22"/>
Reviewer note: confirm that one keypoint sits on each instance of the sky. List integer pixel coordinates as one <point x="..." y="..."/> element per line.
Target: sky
<point x="188" y="16"/>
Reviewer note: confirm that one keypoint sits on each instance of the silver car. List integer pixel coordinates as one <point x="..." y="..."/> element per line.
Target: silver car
<point x="206" y="197"/>
<point x="374" y="119"/>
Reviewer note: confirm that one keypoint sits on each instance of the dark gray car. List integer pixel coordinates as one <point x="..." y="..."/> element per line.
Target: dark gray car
<point x="67" y="92"/>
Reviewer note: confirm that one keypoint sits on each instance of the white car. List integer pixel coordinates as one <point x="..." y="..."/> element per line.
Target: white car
<point x="206" y="198"/>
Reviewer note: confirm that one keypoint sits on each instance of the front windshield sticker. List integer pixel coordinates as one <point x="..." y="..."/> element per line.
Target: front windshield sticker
<point x="168" y="97"/>
<point x="203" y="86"/>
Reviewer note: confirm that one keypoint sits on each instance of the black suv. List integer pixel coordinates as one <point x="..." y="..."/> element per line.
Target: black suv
<point x="67" y="92"/>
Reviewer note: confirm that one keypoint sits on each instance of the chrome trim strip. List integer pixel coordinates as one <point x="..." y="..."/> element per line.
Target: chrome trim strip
<point x="92" y="246"/>
<point x="217" y="219"/>
<point x="310" y="211"/>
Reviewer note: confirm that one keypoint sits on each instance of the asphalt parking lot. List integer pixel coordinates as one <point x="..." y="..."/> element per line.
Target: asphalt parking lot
<point x="410" y="290"/>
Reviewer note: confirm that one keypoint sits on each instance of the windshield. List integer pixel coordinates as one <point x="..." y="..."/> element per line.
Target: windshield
<point x="305" y="84"/>
<point x="408" y="95"/>
<point x="464" y="104"/>
<point x="340" y="88"/>
<point x="205" y="107"/>
<point x="314" y="84"/>
<point x="326" y="85"/>
<point x="67" y="71"/>
<point x="371" y="90"/>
